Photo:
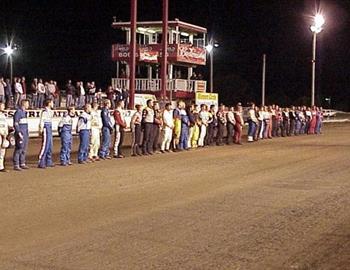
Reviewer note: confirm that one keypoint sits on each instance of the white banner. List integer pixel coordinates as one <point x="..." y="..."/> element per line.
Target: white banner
<point x="33" y="117"/>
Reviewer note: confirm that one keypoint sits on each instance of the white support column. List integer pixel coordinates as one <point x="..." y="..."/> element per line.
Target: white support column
<point x="149" y="72"/>
<point x="190" y="72"/>
<point x="128" y="36"/>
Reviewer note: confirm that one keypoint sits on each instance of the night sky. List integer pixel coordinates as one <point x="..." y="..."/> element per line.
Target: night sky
<point x="72" y="40"/>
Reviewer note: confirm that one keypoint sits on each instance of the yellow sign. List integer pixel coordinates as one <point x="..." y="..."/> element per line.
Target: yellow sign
<point x="207" y="98"/>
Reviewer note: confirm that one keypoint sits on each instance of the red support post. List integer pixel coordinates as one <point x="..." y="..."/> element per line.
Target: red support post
<point x="164" y="64"/>
<point x="132" y="45"/>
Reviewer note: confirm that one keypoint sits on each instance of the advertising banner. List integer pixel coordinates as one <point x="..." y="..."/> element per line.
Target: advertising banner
<point x="33" y="117"/>
<point x="207" y="99"/>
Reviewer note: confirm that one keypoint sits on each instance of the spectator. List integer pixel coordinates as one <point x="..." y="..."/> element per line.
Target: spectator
<point x="57" y="95"/>
<point x="70" y="92"/>
<point x="2" y="90"/>
<point x="41" y="94"/>
<point x="34" y="90"/>
<point x="24" y="87"/>
<point x="51" y="89"/>
<point x="125" y="95"/>
<point x="18" y="91"/>
<point x="81" y="95"/>
<point x="8" y="94"/>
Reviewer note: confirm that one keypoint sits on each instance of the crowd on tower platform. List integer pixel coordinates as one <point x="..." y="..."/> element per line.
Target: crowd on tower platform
<point x="154" y="129"/>
<point x="76" y="93"/>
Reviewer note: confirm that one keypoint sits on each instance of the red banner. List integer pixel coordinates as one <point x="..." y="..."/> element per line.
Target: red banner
<point x="182" y="53"/>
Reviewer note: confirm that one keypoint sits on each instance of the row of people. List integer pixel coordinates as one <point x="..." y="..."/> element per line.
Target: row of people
<point x="77" y="94"/>
<point x="153" y="129"/>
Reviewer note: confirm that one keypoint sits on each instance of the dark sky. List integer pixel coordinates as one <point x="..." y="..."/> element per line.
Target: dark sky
<point x="72" y="39"/>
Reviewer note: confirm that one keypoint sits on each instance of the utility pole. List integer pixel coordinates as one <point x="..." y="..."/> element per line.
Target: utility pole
<point x="133" y="25"/>
<point x="164" y="65"/>
<point x="263" y="81"/>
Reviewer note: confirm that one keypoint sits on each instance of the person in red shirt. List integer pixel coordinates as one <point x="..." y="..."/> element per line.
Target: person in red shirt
<point x="120" y="125"/>
<point x="238" y="113"/>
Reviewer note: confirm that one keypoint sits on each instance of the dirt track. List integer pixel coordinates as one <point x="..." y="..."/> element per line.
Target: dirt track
<point x="280" y="204"/>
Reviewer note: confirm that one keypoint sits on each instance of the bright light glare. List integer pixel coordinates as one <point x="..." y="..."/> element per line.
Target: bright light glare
<point x="8" y="50"/>
<point x="319" y="20"/>
<point x="209" y="48"/>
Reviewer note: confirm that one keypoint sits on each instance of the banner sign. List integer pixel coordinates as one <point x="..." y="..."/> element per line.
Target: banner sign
<point x="207" y="99"/>
<point x="152" y="53"/>
<point x="33" y="117"/>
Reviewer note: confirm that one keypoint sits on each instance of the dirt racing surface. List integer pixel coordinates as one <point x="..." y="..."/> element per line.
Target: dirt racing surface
<point x="277" y="204"/>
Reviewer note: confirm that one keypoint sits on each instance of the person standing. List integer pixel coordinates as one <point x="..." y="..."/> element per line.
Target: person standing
<point x="286" y="124"/>
<point x="222" y="122"/>
<point x="91" y="90"/>
<point x="8" y="93"/>
<point x="24" y="88"/>
<point x="185" y="123"/>
<point x="34" y="90"/>
<point x="239" y="124"/>
<point x="65" y="132"/>
<point x="230" y="125"/>
<point x="2" y="90"/>
<point x="111" y="96"/>
<point x="107" y="130"/>
<point x="125" y="94"/>
<point x="45" y="130"/>
<point x="292" y="121"/>
<point x="313" y="120"/>
<point x="157" y="125"/>
<point x="4" y="143"/>
<point x="84" y="129"/>
<point x="41" y="93"/>
<point x="268" y="123"/>
<point x="81" y="95"/>
<point x="70" y="92"/>
<point x="177" y="125"/>
<point x="168" y="126"/>
<point x="212" y="126"/>
<point x="120" y="126"/>
<point x="57" y="95"/>
<point x="96" y="125"/>
<point x="20" y="125"/>
<point x="18" y="91"/>
<point x="319" y="120"/>
<point x="147" y="121"/>
<point x="204" y="118"/>
<point x="252" y="122"/>
<point x="136" y="131"/>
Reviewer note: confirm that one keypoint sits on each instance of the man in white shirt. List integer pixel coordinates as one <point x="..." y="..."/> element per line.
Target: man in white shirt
<point x="18" y="91"/>
<point x="168" y="126"/>
<point x="84" y="129"/>
<point x="96" y="125"/>
<point x="41" y="93"/>
<point x="204" y="117"/>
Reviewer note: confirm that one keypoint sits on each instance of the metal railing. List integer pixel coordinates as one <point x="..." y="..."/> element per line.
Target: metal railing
<point x="154" y="85"/>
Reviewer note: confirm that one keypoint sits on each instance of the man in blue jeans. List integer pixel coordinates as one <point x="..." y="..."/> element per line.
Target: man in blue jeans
<point x="45" y="130"/>
<point x="65" y="132"/>
<point x="253" y="123"/>
<point x="84" y="128"/>
<point x="20" y="125"/>
<point x="107" y="129"/>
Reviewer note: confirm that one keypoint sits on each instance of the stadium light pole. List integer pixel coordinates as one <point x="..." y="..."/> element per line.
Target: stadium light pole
<point x="8" y="50"/>
<point x="210" y="49"/>
<point x="316" y="28"/>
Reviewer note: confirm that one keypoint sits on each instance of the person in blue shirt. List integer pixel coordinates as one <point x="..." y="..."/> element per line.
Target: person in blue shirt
<point x="20" y="125"/>
<point x="65" y="132"/>
<point x="45" y="130"/>
<point x="107" y="130"/>
<point x="84" y="130"/>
